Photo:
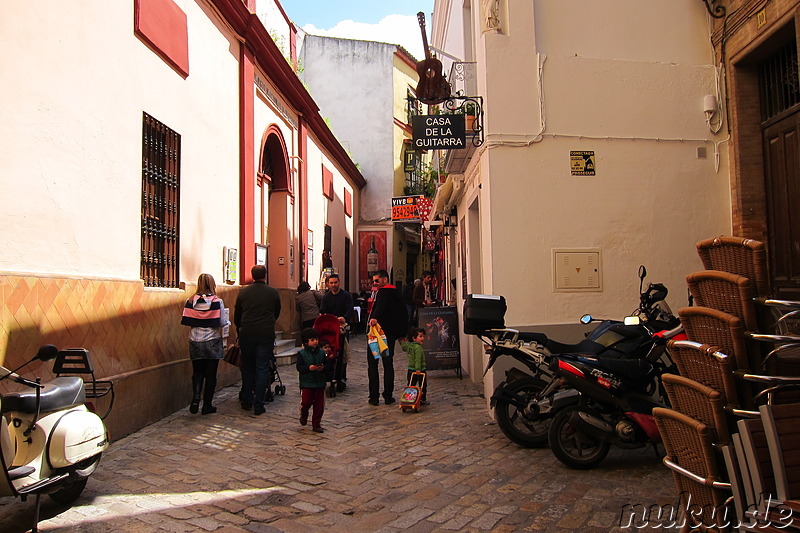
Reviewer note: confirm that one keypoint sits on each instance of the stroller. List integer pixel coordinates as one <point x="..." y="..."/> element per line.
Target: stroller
<point x="330" y="330"/>
<point x="274" y="377"/>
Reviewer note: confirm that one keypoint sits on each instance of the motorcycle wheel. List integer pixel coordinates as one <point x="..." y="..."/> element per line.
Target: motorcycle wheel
<point x="73" y="490"/>
<point x="573" y="447"/>
<point x="525" y="427"/>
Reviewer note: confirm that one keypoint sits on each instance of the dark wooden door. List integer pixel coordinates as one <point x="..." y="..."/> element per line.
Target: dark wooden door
<point x="782" y="177"/>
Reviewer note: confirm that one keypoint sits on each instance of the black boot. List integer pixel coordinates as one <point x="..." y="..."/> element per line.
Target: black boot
<point x="208" y="395"/>
<point x="197" y="389"/>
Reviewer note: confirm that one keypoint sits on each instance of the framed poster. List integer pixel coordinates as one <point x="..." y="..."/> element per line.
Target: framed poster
<point x="371" y="256"/>
<point x="442" y="349"/>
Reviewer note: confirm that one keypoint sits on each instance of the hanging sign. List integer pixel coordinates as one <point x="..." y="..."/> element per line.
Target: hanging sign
<point x="432" y="132"/>
<point x="406" y="208"/>
<point x="409" y="160"/>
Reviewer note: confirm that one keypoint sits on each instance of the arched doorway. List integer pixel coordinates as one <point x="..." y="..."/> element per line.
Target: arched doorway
<point x="276" y="208"/>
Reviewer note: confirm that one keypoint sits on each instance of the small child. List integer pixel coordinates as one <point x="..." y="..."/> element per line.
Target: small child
<point x="311" y="366"/>
<point x="416" y="357"/>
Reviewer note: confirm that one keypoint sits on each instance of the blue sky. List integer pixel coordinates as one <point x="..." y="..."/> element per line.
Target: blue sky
<point x="389" y="21"/>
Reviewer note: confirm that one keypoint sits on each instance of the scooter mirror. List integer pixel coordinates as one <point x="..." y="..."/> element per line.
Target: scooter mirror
<point x="586" y="319"/>
<point x="642" y="272"/>
<point x="48" y="352"/>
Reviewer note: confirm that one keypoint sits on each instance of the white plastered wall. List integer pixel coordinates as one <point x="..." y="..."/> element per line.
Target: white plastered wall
<point x="76" y="81"/>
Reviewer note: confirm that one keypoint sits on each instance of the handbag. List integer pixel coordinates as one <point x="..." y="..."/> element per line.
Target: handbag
<point x="233" y="353"/>
<point x="376" y="340"/>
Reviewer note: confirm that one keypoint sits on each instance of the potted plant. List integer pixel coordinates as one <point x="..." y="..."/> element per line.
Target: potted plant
<point x="470" y="112"/>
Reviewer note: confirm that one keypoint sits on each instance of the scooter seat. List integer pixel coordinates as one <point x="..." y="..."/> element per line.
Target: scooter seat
<point x="58" y="394"/>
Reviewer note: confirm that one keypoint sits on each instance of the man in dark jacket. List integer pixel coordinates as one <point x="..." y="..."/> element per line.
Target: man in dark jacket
<point x="389" y="312"/>
<point x="337" y="301"/>
<point x="257" y="309"/>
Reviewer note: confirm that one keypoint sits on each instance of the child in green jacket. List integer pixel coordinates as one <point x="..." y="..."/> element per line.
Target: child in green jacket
<point x="416" y="357"/>
<point x="311" y="366"/>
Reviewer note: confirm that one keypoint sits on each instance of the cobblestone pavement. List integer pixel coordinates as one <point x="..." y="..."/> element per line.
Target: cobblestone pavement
<point x="447" y="468"/>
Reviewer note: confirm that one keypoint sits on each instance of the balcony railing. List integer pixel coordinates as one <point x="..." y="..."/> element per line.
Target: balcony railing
<point x="463" y="78"/>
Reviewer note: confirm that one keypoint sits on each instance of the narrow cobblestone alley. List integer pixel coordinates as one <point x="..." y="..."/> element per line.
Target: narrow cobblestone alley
<point x="447" y="468"/>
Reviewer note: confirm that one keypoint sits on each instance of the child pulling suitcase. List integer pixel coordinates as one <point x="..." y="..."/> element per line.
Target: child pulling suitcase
<point x="415" y="394"/>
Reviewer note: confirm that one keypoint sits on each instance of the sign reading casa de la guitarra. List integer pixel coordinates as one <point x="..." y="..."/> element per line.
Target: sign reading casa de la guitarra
<point x="432" y="132"/>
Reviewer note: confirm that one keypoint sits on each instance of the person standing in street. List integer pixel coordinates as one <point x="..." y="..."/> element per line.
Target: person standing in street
<point x="388" y="311"/>
<point x="257" y="308"/>
<point x="337" y="301"/>
<point x="423" y="293"/>
<point x="307" y="304"/>
<point x="203" y="312"/>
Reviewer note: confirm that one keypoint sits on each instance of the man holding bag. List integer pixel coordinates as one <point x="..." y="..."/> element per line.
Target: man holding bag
<point x="388" y="312"/>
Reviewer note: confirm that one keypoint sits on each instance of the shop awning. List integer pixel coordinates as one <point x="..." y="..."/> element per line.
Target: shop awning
<point x="443" y="194"/>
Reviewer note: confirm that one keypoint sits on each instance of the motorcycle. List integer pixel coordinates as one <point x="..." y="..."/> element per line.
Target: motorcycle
<point x="50" y="443"/>
<point x="526" y="401"/>
<point x="615" y="401"/>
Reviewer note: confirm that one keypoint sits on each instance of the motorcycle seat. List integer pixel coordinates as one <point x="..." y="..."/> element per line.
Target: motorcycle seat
<point x="58" y="394"/>
<point x="586" y="346"/>
<point x="633" y="369"/>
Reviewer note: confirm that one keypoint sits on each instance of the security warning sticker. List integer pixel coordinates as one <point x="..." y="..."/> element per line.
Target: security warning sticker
<point x="582" y="162"/>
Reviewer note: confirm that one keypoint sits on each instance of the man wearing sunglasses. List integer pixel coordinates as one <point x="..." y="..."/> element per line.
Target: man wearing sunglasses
<point x="389" y="311"/>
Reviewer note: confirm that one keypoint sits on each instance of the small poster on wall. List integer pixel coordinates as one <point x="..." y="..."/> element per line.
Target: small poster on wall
<point x="371" y="256"/>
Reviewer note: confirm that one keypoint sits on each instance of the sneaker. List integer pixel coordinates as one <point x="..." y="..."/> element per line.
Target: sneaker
<point x="303" y="420"/>
<point x="389" y="401"/>
<point x="374" y="402"/>
<point x="259" y="411"/>
<point x="318" y="429"/>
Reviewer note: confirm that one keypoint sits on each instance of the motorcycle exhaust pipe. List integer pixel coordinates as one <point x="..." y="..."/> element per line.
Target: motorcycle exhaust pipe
<point x="591" y="425"/>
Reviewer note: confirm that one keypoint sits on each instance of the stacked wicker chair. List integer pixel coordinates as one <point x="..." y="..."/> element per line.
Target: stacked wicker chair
<point x="722" y="451"/>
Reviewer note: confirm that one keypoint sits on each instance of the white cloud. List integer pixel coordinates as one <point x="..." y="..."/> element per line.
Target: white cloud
<point x="393" y="29"/>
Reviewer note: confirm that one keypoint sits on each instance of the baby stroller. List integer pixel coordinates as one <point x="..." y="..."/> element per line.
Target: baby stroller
<point x="274" y="377"/>
<point x="329" y="330"/>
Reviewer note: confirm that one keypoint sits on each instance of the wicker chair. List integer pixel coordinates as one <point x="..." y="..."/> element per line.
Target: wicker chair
<point x="717" y="328"/>
<point x="706" y="365"/>
<point x="699" y="402"/>
<point x="737" y="255"/>
<point x="730" y="293"/>
<point x="695" y="469"/>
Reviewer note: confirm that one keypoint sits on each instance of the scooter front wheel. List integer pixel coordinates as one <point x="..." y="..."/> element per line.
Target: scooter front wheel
<point x="70" y="493"/>
<point x="573" y="447"/>
<point x="77" y="481"/>
<point x="522" y="420"/>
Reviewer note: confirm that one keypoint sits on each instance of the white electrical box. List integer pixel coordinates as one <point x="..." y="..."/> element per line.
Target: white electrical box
<point x="577" y="269"/>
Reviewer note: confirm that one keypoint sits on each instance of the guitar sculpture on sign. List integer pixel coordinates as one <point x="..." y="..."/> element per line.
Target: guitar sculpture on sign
<point x="432" y="88"/>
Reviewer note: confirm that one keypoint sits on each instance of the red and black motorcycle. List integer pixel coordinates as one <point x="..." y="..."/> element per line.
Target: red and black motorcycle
<point x="616" y="397"/>
<point x="526" y="402"/>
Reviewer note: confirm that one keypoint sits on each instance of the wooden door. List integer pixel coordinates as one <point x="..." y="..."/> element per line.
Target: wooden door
<point x="782" y="182"/>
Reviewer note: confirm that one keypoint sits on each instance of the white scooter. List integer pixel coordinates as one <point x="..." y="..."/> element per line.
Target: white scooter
<point x="50" y="443"/>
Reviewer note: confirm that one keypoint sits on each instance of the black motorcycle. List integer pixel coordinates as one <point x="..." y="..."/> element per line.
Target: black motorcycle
<point x="526" y="401"/>
<point x="615" y="400"/>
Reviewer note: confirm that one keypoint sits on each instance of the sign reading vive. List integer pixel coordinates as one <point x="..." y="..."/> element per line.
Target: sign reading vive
<point x="406" y="208"/>
<point x="431" y="132"/>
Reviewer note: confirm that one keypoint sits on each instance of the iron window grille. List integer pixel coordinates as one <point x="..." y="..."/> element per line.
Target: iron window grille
<point x="161" y="157"/>
<point x="779" y="82"/>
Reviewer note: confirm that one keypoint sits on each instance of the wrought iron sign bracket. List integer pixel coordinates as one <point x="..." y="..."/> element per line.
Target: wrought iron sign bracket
<point x="715" y="8"/>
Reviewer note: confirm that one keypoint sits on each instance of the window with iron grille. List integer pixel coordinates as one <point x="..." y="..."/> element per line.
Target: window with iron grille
<point x="779" y="82"/>
<point x="161" y="179"/>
